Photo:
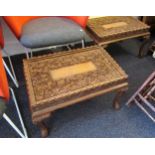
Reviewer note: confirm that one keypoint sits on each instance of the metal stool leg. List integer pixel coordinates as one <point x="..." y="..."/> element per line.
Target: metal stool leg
<point x="83" y="43"/>
<point x="12" y="68"/>
<point x="10" y="74"/>
<point x="19" y="114"/>
<point x="31" y="54"/>
<point x="153" y="55"/>
<point x="26" y="53"/>
<point x="68" y="47"/>
<point x="13" y="77"/>
<point x="13" y="125"/>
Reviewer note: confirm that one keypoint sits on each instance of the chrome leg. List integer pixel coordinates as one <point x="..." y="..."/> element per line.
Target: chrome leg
<point x="13" y="125"/>
<point x="27" y="53"/>
<point x="83" y="44"/>
<point x="19" y="114"/>
<point x="10" y="74"/>
<point x="68" y="47"/>
<point x="31" y="54"/>
<point x="12" y="69"/>
<point x="153" y="54"/>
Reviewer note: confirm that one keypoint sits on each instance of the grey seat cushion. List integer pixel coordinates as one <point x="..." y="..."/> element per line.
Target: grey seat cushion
<point x="49" y="31"/>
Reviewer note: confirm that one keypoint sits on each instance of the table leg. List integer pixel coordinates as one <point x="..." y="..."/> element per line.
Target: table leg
<point x="145" y="47"/>
<point x="43" y="129"/>
<point x="39" y="121"/>
<point x="116" y="102"/>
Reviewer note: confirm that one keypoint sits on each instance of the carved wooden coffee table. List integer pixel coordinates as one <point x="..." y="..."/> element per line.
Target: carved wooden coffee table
<point x="107" y="30"/>
<point x="58" y="80"/>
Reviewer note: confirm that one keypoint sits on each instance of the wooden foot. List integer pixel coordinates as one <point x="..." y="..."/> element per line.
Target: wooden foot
<point x="116" y="103"/>
<point x="43" y="129"/>
<point x="39" y="121"/>
<point x="145" y="47"/>
<point x="105" y="46"/>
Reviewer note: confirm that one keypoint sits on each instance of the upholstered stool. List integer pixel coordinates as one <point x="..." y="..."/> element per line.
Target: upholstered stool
<point x="57" y="30"/>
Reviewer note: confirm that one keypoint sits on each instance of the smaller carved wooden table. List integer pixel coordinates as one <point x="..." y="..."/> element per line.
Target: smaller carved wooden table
<point x="58" y="80"/>
<point x="107" y="30"/>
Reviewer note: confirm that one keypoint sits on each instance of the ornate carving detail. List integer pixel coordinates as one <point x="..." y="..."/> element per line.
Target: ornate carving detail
<point x="44" y="91"/>
<point x="132" y="27"/>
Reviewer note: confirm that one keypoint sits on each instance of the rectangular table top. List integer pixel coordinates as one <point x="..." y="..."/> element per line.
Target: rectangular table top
<point x="109" y="28"/>
<point x="56" y="78"/>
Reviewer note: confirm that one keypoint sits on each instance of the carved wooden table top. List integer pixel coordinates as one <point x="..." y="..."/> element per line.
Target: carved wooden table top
<point x="105" y="30"/>
<point x="61" y="79"/>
